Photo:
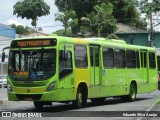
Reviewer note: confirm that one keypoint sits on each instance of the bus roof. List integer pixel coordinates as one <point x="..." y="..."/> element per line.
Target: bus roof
<point x="99" y="41"/>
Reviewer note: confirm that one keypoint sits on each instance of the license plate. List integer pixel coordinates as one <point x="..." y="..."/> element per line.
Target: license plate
<point x="28" y="99"/>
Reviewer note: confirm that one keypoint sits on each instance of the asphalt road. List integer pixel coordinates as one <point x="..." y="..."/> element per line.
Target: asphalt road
<point x="144" y="102"/>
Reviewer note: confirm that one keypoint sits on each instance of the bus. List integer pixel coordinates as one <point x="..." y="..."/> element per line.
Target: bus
<point x="158" y="62"/>
<point x="63" y="69"/>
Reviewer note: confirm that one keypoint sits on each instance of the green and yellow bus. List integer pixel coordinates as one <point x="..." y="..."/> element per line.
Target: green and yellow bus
<point x="62" y="69"/>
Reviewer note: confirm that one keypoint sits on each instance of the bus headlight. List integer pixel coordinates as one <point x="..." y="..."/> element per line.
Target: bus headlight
<point x="51" y="86"/>
<point x="9" y="87"/>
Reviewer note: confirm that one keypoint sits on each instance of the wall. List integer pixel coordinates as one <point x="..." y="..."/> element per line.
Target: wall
<point x="7" y="31"/>
<point x="140" y="38"/>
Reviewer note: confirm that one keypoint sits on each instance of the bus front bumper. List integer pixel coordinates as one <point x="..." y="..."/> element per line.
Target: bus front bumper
<point x="44" y="96"/>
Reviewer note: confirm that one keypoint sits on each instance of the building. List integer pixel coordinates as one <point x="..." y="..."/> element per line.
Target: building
<point x="6" y="35"/>
<point x="32" y="34"/>
<point x="135" y="36"/>
<point x="140" y="37"/>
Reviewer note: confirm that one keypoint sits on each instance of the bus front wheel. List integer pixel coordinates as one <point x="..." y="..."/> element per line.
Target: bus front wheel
<point x="80" y="99"/>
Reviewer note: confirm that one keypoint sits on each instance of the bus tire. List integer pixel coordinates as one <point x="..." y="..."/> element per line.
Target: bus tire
<point x="38" y="104"/>
<point x="132" y="94"/>
<point x="80" y="99"/>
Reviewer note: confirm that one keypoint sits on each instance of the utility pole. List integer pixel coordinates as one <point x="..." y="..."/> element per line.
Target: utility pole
<point x="151" y="36"/>
<point x="151" y="32"/>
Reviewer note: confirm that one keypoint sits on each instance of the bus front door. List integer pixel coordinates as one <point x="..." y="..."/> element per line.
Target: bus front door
<point x="144" y="67"/>
<point x="95" y="65"/>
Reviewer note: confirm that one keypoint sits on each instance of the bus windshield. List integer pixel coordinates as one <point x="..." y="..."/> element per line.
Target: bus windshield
<point x="32" y="65"/>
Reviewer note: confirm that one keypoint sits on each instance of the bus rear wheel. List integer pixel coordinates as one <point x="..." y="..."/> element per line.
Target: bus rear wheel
<point x="38" y="104"/>
<point x="132" y="93"/>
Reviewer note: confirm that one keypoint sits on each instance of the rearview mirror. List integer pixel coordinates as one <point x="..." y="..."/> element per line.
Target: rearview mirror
<point x="3" y="56"/>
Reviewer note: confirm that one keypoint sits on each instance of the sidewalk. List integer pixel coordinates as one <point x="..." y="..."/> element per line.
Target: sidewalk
<point x="3" y="95"/>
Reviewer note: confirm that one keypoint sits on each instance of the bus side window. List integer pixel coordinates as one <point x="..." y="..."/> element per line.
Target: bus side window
<point x="119" y="58"/>
<point x="65" y="63"/>
<point x="81" y="60"/>
<point x="137" y="59"/>
<point x="108" y="57"/>
<point x="152" y="61"/>
<point x="131" y="59"/>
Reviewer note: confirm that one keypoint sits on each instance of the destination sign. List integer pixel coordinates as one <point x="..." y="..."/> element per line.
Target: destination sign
<point x="33" y="43"/>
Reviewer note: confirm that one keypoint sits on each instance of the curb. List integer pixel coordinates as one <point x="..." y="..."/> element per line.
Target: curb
<point x="3" y="101"/>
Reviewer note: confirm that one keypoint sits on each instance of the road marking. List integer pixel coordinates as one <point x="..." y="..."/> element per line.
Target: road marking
<point x="140" y="118"/>
<point x="152" y="105"/>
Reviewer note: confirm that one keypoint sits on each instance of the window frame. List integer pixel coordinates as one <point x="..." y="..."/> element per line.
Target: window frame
<point x="152" y="61"/>
<point x="86" y="52"/>
<point x="124" y="59"/>
<point x="108" y="67"/>
<point x="131" y="58"/>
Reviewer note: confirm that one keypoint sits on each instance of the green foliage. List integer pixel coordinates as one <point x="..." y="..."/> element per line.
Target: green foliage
<point x="146" y="7"/>
<point x="31" y="9"/>
<point x="81" y="7"/>
<point x="68" y="19"/>
<point x="61" y="32"/>
<point x="149" y="7"/>
<point x="100" y="18"/>
<point x="21" y="29"/>
<point x="113" y="36"/>
<point x="124" y="11"/>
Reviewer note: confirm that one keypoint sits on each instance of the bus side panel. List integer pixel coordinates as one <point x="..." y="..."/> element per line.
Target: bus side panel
<point x="115" y="82"/>
<point x="151" y="85"/>
<point x="134" y="75"/>
<point x="81" y="75"/>
<point x="149" y="79"/>
<point x="67" y="94"/>
<point x="97" y="91"/>
<point x="66" y="88"/>
<point x="153" y="79"/>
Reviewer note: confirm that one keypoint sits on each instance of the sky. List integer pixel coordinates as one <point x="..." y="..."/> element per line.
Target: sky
<point x="7" y="17"/>
<point x="47" y="23"/>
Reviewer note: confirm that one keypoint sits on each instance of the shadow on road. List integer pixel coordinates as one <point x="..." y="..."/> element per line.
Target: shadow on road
<point x="66" y="107"/>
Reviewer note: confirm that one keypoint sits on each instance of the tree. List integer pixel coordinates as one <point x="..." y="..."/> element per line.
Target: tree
<point x="101" y="18"/>
<point x="81" y="7"/>
<point x="113" y="36"/>
<point x="68" y="19"/>
<point x="124" y="11"/>
<point x="146" y="7"/>
<point x="21" y="29"/>
<point x="61" y="32"/>
<point x="151" y="8"/>
<point x="31" y="9"/>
